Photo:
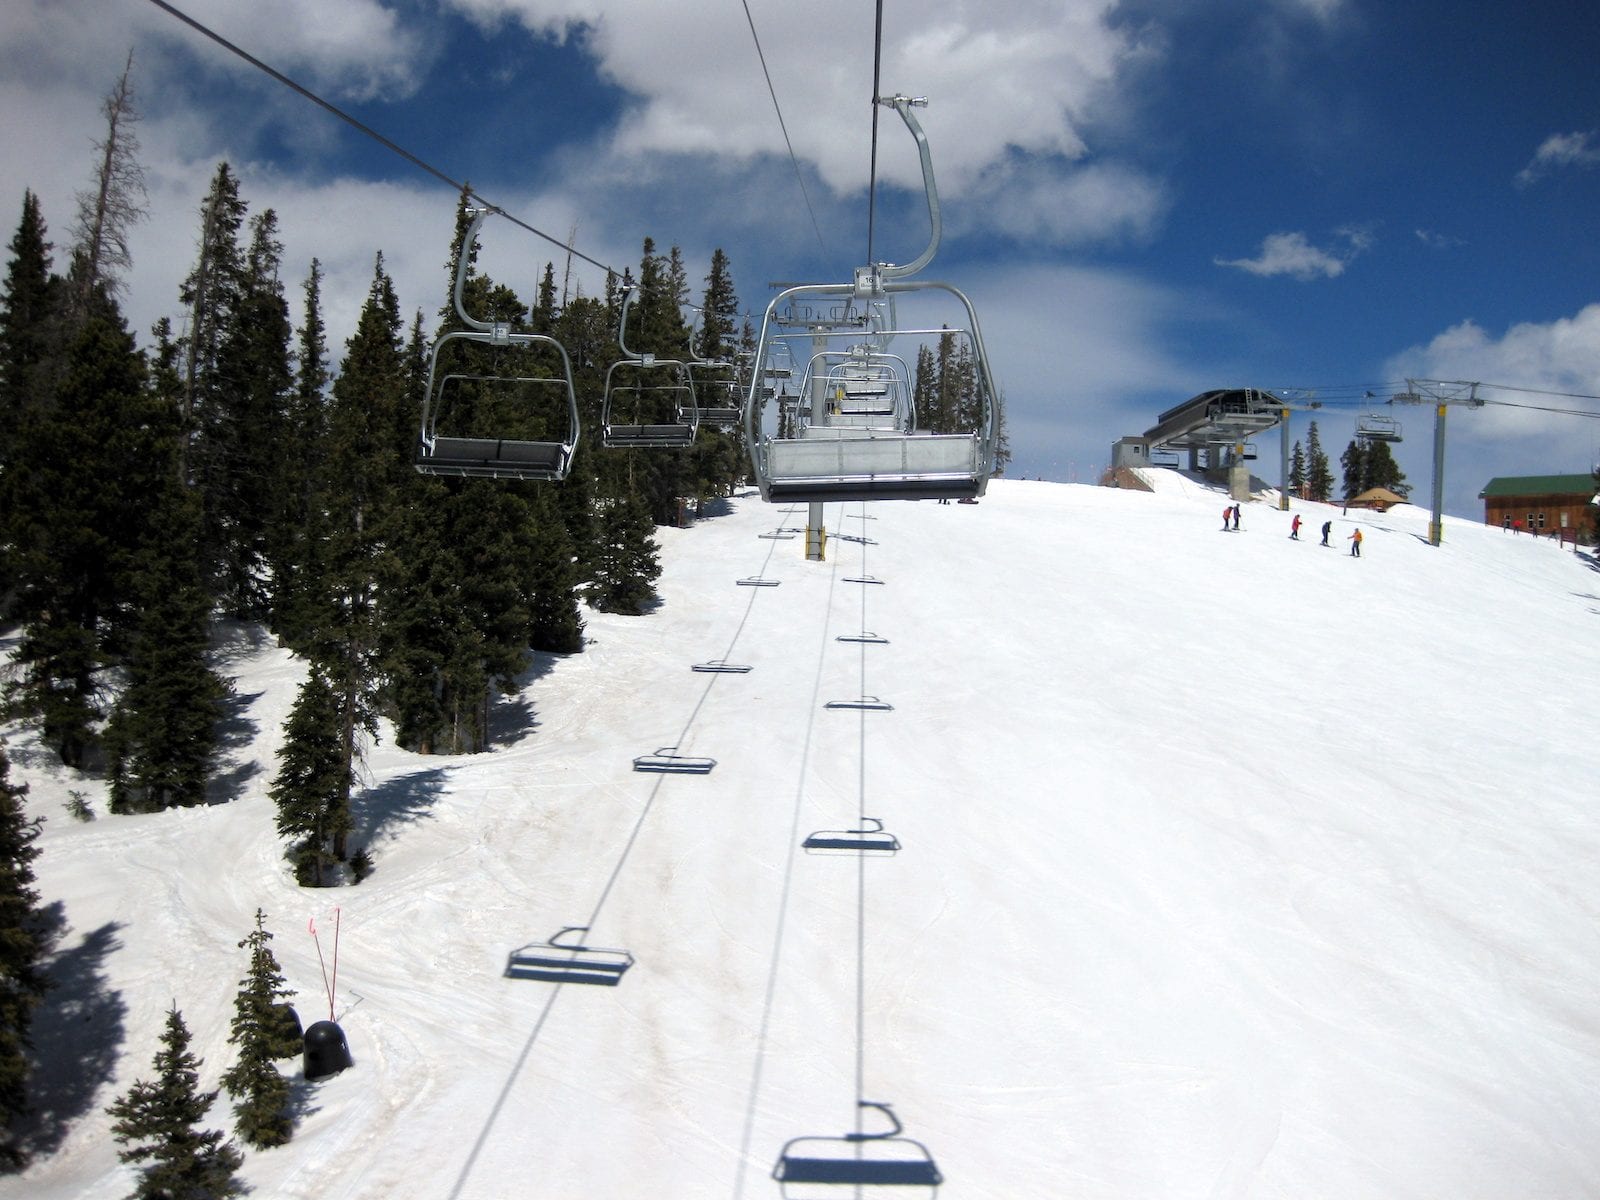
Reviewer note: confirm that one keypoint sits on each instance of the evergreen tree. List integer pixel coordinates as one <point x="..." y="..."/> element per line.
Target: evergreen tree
<point x="1319" y="475"/>
<point x="23" y="944"/>
<point x="296" y="535"/>
<point x="156" y="1122"/>
<point x="259" y="1091"/>
<point x="555" y="624"/>
<point x="108" y="209"/>
<point x="626" y="566"/>
<point x="1297" y="471"/>
<point x="212" y="293"/>
<point x="1382" y="470"/>
<point x="246" y="425"/>
<point x="27" y="353"/>
<point x="361" y="490"/>
<point x="312" y="780"/>
<point x="161" y="739"/>
<point x="1354" y="462"/>
<point x="81" y="481"/>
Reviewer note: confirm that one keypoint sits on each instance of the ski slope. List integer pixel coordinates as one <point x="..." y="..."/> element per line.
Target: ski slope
<point x="1231" y="866"/>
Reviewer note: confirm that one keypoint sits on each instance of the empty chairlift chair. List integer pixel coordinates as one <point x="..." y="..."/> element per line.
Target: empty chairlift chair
<point x="857" y="1166"/>
<point x="517" y="419"/>
<point x="1377" y="427"/>
<point x="649" y="401"/>
<point x="557" y="961"/>
<point x="852" y="432"/>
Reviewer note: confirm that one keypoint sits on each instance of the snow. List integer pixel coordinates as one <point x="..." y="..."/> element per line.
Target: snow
<point x="1233" y="866"/>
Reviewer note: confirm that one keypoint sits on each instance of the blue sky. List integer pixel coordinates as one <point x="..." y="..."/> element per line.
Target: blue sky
<point x="1144" y="200"/>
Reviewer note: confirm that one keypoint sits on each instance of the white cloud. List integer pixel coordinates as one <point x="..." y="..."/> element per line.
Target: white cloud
<point x="1051" y="204"/>
<point x="1003" y="76"/>
<point x="1556" y="356"/>
<point x="1577" y="149"/>
<point x="1292" y="254"/>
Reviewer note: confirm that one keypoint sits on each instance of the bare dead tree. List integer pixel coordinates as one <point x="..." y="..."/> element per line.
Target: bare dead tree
<point x="108" y="210"/>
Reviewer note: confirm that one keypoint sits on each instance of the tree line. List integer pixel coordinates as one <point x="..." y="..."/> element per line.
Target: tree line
<point x="1366" y="464"/>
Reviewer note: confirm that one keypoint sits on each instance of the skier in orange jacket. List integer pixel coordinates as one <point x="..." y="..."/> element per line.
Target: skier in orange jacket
<point x="1355" y="544"/>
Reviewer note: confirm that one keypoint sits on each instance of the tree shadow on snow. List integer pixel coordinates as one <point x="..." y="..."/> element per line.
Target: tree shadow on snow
<point x="235" y="733"/>
<point x="512" y="715"/>
<point x="78" y="1031"/>
<point x="405" y="798"/>
<point x="232" y="641"/>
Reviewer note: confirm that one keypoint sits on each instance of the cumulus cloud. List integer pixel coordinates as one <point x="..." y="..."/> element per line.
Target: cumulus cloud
<point x="1435" y="240"/>
<point x="1292" y="254"/>
<point x="1577" y="149"/>
<point x="1003" y="76"/>
<point x="1555" y="356"/>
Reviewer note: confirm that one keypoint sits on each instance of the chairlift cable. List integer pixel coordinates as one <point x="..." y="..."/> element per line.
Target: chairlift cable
<point x="771" y="91"/>
<point x="872" y="173"/>
<point x="420" y="163"/>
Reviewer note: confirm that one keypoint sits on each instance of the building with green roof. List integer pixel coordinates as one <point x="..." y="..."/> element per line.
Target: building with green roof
<point x="1542" y="504"/>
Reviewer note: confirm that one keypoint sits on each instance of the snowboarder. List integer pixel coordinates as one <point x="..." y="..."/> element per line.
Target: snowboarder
<point x="1237" y="509"/>
<point x="1294" y="527"/>
<point x="1355" y="544"/>
<point x="1227" y="515"/>
<point x="1327" y="528"/>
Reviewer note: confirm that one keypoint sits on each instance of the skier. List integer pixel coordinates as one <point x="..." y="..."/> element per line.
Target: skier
<point x="1237" y="509"/>
<point x="1327" y="528"/>
<point x="1294" y="527"/>
<point x="1227" y="515"/>
<point x="1355" y="544"/>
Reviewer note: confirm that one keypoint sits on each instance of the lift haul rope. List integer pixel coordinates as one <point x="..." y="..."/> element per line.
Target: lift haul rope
<point x="411" y="158"/>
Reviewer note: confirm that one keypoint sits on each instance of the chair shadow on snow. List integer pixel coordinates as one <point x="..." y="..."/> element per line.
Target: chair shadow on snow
<point x="78" y="1031"/>
<point x="403" y="799"/>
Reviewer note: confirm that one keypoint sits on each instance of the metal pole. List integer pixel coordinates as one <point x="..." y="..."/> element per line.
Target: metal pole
<point x="1436" y="526"/>
<point x="1283" y="474"/>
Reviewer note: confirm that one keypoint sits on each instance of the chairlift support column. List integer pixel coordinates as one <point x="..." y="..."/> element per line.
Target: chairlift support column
<point x="1442" y="395"/>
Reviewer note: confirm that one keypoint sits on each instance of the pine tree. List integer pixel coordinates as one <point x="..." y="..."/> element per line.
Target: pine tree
<point x="212" y="293"/>
<point x="312" y="780"/>
<point x="1297" y="471"/>
<point x="259" y="1091"/>
<point x="108" y="210"/>
<point x="161" y="739"/>
<point x="1382" y="470"/>
<point x="1319" y="476"/>
<point x="81" y="479"/>
<point x="626" y="566"/>
<point x="296" y="535"/>
<point x="23" y="944"/>
<point x="1354" y="462"/>
<point x="247" y="423"/>
<point x="157" y="1122"/>
<point x="28" y="353"/>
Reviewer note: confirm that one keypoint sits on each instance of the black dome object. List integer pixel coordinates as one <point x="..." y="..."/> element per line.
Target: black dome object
<point x="327" y="1053"/>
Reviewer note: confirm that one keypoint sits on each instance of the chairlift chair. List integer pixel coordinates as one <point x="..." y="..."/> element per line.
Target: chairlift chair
<point x="864" y="704"/>
<point x="640" y="386"/>
<point x="555" y="961"/>
<point x="857" y="1166"/>
<point x="478" y="452"/>
<point x="865" y="638"/>
<point x="876" y="452"/>
<point x="1377" y="427"/>
<point x="721" y="666"/>
<point x="870" y="838"/>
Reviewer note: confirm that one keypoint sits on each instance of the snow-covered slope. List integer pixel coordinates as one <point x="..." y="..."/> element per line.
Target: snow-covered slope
<point x="1232" y="866"/>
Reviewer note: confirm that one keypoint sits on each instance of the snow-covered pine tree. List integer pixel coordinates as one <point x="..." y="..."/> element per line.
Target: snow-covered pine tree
<point x="260" y="1093"/>
<point x="1297" y="471"/>
<point x="23" y="943"/>
<point x="156" y="1123"/>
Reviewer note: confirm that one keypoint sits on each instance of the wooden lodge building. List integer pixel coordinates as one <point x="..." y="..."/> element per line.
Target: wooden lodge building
<point x="1553" y="505"/>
